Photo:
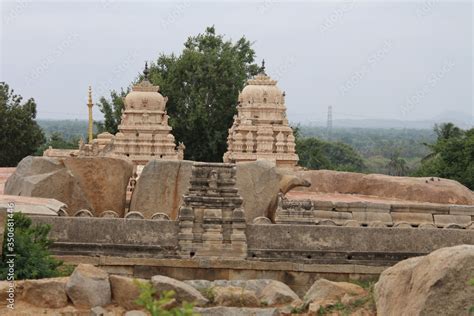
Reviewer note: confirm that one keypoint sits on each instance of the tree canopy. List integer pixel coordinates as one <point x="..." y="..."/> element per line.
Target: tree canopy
<point x="202" y="84"/>
<point x="452" y="155"/>
<point x="20" y="134"/>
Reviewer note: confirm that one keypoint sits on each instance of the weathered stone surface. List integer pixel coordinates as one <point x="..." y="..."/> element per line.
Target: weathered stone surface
<point x="413" y="218"/>
<point x="261" y="220"/>
<point x="236" y="311"/>
<point x="48" y="293"/>
<point x="135" y="313"/>
<point x="325" y="293"/>
<point x="98" y="311"/>
<point x="184" y="292"/>
<point x="89" y="286"/>
<point x="403" y="188"/>
<point x="259" y="183"/>
<point x="125" y="291"/>
<point x="277" y="293"/>
<point x="436" y="284"/>
<point x="443" y="220"/>
<point x="160" y="187"/>
<point x="97" y="184"/>
<point x="234" y="296"/>
<point x="367" y="217"/>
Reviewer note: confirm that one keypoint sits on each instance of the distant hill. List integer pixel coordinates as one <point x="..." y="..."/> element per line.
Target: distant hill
<point x="69" y="129"/>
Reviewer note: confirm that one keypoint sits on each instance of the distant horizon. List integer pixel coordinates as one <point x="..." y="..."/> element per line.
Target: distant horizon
<point x="401" y="60"/>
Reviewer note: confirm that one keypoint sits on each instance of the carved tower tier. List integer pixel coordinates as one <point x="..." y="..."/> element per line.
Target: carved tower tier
<point x="261" y="129"/>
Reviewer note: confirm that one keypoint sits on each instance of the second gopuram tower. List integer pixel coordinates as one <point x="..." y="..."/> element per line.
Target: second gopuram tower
<point x="261" y="129"/>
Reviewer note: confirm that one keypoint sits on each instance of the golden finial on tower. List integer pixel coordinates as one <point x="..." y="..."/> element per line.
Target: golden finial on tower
<point x="91" y="122"/>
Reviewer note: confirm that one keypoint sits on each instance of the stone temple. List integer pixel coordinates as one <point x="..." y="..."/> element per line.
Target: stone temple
<point x="144" y="133"/>
<point x="261" y="130"/>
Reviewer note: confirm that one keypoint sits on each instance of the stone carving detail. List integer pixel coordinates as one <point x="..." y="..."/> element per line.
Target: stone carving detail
<point x="211" y="220"/>
<point x="83" y="213"/>
<point x="260" y="129"/>
<point x="109" y="214"/>
<point x="160" y="217"/>
<point x="134" y="215"/>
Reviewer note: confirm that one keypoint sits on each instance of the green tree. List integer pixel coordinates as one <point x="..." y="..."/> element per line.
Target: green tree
<point x="112" y="110"/>
<point x="57" y="141"/>
<point x="20" y="134"/>
<point x="318" y="154"/>
<point x="202" y="84"/>
<point x="452" y="156"/>
<point x="397" y="166"/>
<point x="32" y="257"/>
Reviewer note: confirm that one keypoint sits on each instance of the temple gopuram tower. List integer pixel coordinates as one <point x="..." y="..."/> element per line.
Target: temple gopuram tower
<point x="144" y="133"/>
<point x="261" y="129"/>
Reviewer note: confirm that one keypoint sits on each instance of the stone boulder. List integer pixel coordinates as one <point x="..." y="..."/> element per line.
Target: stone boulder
<point x="433" y="190"/>
<point x="234" y="296"/>
<point x="160" y="187"/>
<point x="88" y="287"/>
<point x="436" y="284"/>
<point x="259" y="183"/>
<point x="183" y="291"/>
<point x="324" y="293"/>
<point x="94" y="183"/>
<point x="277" y="293"/>
<point x="47" y="293"/>
<point x="125" y="291"/>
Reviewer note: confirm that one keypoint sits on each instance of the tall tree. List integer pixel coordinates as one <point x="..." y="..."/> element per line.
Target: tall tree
<point x="202" y="84"/>
<point x="20" y="134"/>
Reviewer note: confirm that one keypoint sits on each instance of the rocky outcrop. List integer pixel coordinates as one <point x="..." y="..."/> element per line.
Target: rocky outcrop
<point x="48" y="293"/>
<point x="162" y="184"/>
<point x="125" y="291"/>
<point x="88" y="287"/>
<point x="160" y="187"/>
<point x="434" y="190"/>
<point x="438" y="283"/>
<point x="183" y="291"/>
<point x="324" y="293"/>
<point x="259" y="183"/>
<point x="97" y="184"/>
<point x="277" y="293"/>
<point x="236" y="311"/>
<point x="234" y="296"/>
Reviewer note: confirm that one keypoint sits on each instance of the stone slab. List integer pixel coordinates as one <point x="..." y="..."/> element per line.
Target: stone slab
<point x="414" y="218"/>
<point x="367" y="217"/>
<point x="461" y="210"/>
<point x="443" y="220"/>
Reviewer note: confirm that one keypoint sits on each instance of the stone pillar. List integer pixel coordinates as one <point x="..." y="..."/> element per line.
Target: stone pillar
<point x="186" y="236"/>
<point x="238" y="237"/>
<point x="212" y="239"/>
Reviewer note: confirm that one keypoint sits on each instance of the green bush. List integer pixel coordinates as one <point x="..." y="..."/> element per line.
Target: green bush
<point x="32" y="257"/>
<point x="162" y="306"/>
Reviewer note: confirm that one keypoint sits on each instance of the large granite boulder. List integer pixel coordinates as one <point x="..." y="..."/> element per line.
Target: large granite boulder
<point x="94" y="183"/>
<point x="125" y="291"/>
<point x="433" y="190"/>
<point x="324" y="293"/>
<point x="89" y="286"/>
<point x="183" y="292"/>
<point x="162" y="184"/>
<point x="234" y="296"/>
<point x="259" y="183"/>
<point x="436" y="284"/>
<point x="160" y="187"/>
<point x="236" y="311"/>
<point x="47" y="293"/>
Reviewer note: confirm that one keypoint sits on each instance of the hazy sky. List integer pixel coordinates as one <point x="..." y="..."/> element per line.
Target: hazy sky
<point x="409" y="60"/>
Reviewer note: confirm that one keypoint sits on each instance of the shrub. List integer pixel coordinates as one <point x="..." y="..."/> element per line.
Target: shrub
<point x="162" y="306"/>
<point x="32" y="257"/>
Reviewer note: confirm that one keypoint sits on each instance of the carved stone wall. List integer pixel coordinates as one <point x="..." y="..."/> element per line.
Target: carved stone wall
<point x="211" y="220"/>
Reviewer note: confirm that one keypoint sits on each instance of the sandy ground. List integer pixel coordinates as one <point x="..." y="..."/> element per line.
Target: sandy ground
<point x="4" y="174"/>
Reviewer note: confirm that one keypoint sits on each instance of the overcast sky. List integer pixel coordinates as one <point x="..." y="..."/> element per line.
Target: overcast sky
<point x="408" y="60"/>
